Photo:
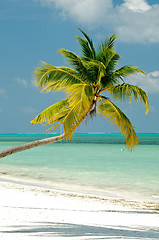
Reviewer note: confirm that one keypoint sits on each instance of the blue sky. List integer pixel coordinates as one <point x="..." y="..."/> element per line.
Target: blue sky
<point x="34" y="30"/>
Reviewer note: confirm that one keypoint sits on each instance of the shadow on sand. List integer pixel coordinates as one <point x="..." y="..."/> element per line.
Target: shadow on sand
<point x="55" y="229"/>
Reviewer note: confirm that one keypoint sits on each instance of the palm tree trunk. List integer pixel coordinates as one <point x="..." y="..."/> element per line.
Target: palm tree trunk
<point x="29" y="145"/>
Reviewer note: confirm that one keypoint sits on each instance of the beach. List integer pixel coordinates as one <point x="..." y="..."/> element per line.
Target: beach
<point x="32" y="212"/>
<point x="87" y="189"/>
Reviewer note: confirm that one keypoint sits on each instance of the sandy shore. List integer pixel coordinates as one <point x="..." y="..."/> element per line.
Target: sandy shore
<point x="30" y="212"/>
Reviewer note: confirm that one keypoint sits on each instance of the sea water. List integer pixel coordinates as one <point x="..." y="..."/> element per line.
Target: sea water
<point x="91" y="163"/>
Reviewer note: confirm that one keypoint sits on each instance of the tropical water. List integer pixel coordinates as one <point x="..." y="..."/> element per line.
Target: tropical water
<point x="91" y="163"/>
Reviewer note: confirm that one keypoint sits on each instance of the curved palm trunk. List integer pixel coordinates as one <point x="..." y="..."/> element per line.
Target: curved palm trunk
<point x="29" y="145"/>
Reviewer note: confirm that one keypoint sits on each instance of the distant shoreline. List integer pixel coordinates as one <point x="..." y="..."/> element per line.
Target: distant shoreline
<point x="79" y="134"/>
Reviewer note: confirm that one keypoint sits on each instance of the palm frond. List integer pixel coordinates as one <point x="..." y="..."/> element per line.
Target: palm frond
<point x="55" y="78"/>
<point x="88" y="70"/>
<point x="110" y="59"/>
<point x="125" y="92"/>
<point x="96" y="71"/>
<point x="53" y="114"/>
<point x="108" y="43"/>
<point x="86" y="50"/>
<point x="82" y="92"/>
<point x="81" y="102"/>
<point x="126" y="71"/>
<point x="77" y="62"/>
<point x="112" y="62"/>
<point x="89" y="45"/>
<point x="106" y="46"/>
<point x="69" y="112"/>
<point x="114" y="115"/>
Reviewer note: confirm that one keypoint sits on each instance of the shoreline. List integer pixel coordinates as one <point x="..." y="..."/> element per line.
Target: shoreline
<point x="67" y="189"/>
<point x="33" y="212"/>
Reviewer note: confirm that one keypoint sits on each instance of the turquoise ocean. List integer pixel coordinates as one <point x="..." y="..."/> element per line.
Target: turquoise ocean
<point x="90" y="163"/>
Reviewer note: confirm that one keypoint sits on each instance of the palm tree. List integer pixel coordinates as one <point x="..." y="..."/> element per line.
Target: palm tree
<point x="88" y="87"/>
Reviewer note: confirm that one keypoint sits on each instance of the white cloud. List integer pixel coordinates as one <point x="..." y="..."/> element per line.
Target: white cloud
<point x="133" y="21"/>
<point x="136" y="5"/>
<point x="138" y="27"/>
<point x="149" y="82"/>
<point x="21" y="81"/>
<point x="1" y="110"/>
<point x="83" y="11"/>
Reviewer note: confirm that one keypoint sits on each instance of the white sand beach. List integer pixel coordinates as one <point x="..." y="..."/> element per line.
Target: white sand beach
<point x="30" y="212"/>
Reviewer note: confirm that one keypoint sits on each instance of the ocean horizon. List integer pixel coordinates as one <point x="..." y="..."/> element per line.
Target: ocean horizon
<point x="91" y="163"/>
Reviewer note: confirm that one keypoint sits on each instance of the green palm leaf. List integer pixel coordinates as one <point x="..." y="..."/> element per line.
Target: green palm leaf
<point x="81" y="102"/>
<point x="127" y="91"/>
<point x="78" y="63"/>
<point x="126" y="71"/>
<point x="106" y="46"/>
<point x="109" y="43"/>
<point x="114" y="115"/>
<point x="54" y="113"/>
<point x="87" y="46"/>
<point x="86" y="50"/>
<point x="55" y="78"/>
